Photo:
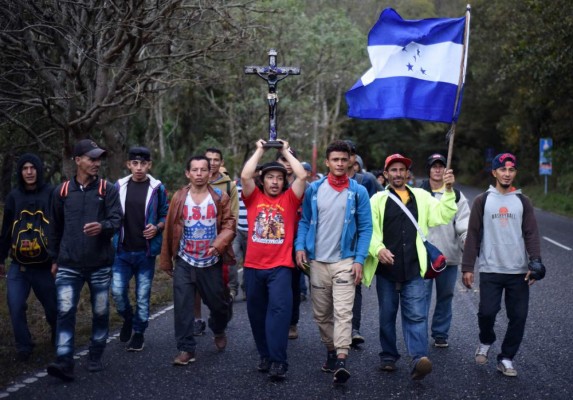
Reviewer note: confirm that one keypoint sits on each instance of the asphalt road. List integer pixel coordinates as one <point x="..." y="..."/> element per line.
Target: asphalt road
<point x="543" y="362"/>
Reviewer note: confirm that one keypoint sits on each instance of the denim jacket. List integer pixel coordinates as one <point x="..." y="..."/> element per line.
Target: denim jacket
<point x="357" y="229"/>
<point x="156" y="207"/>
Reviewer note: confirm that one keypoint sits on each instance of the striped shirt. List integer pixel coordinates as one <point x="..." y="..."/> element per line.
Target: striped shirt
<point x="242" y="223"/>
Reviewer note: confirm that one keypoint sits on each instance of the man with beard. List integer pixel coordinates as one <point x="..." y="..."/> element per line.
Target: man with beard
<point x="398" y="257"/>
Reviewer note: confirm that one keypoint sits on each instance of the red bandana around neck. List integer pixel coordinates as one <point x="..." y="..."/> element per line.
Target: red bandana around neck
<point x="338" y="183"/>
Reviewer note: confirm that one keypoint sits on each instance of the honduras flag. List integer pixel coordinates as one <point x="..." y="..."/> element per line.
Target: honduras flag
<point x="416" y="69"/>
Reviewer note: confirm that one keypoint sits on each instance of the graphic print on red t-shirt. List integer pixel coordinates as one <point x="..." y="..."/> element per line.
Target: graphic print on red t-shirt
<point x="272" y="227"/>
<point x="269" y="225"/>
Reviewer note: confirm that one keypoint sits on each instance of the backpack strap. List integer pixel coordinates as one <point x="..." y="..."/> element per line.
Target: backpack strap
<point x="102" y="188"/>
<point x="229" y="188"/>
<point x="64" y="189"/>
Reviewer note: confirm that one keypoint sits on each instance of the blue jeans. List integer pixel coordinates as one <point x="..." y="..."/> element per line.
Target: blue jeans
<point x="269" y="306"/>
<point x="445" y="285"/>
<point x="128" y="264"/>
<point x="20" y="280"/>
<point x="411" y="297"/>
<point x="69" y="284"/>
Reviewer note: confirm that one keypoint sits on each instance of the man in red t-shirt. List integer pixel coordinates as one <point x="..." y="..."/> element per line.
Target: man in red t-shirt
<point x="272" y="218"/>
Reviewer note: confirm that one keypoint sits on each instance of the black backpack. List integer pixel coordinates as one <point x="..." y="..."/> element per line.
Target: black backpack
<point x="30" y="237"/>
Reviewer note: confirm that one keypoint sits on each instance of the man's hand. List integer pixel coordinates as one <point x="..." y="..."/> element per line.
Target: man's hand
<point x="357" y="273"/>
<point x="213" y="252"/>
<point x="449" y="179"/>
<point x="385" y="256"/>
<point x="150" y="231"/>
<point x="2" y="271"/>
<point x="54" y="269"/>
<point x="260" y="144"/>
<point x="92" y="228"/>
<point x="301" y="258"/>
<point x="468" y="279"/>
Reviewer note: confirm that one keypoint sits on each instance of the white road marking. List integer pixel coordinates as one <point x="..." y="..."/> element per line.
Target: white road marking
<point x="557" y="243"/>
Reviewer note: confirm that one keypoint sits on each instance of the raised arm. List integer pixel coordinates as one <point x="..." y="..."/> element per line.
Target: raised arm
<point x="299" y="184"/>
<point x="248" y="172"/>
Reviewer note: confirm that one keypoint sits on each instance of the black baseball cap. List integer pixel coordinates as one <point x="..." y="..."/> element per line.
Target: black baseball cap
<point x="139" y="153"/>
<point x="434" y="158"/>
<point x="273" y="166"/>
<point x="87" y="147"/>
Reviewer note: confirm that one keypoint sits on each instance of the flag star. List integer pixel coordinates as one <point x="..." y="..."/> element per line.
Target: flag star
<point x="423" y="71"/>
<point x="410" y="67"/>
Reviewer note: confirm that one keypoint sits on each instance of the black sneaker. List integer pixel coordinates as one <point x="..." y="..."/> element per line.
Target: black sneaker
<point x="441" y="343"/>
<point x="357" y="338"/>
<point x="277" y="372"/>
<point x="264" y="365"/>
<point x="199" y="327"/>
<point x="63" y="369"/>
<point x="388" y="365"/>
<point x="126" y="329"/>
<point x="136" y="342"/>
<point x="341" y="374"/>
<point x="94" y="363"/>
<point x="330" y="363"/>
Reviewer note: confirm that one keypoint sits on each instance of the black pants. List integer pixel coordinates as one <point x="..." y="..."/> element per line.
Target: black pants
<point x="209" y="282"/>
<point x="295" y="295"/>
<point x="516" y="289"/>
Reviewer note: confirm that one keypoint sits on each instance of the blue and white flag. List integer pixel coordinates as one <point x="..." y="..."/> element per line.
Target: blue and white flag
<point x="416" y="69"/>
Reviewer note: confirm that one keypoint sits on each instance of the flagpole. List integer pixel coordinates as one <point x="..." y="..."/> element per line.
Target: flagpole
<point x="451" y="133"/>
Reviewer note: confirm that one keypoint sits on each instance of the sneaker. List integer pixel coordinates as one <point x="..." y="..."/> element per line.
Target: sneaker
<point x="481" y="353"/>
<point x="330" y="363"/>
<point x="277" y="372"/>
<point x="136" y="342"/>
<point x="388" y="365"/>
<point x="264" y="365"/>
<point x="293" y="332"/>
<point x="441" y="343"/>
<point x="126" y="329"/>
<point x="220" y="341"/>
<point x="505" y="366"/>
<point x="357" y="338"/>
<point x="184" y="358"/>
<point x="422" y="368"/>
<point x="199" y="327"/>
<point x="341" y="374"/>
<point x="94" y="363"/>
<point x="63" y="369"/>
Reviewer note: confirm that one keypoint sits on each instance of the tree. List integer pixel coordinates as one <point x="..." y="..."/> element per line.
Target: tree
<point x="74" y="69"/>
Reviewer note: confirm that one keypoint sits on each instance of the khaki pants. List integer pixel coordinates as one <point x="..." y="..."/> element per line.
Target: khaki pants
<point x="332" y="299"/>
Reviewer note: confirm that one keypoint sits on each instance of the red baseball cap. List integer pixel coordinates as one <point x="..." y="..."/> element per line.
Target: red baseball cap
<point x="397" y="158"/>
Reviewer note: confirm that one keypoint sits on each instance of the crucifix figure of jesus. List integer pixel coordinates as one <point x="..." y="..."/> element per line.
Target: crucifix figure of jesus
<point x="272" y="74"/>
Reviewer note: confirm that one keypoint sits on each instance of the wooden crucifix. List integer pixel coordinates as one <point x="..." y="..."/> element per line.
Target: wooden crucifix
<point x="272" y="74"/>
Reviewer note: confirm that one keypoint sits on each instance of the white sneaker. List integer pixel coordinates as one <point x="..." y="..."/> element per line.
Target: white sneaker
<point x="481" y="353"/>
<point x="505" y="366"/>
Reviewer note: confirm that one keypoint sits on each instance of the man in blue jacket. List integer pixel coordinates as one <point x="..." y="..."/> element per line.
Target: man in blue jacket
<point x="144" y="202"/>
<point x="335" y="207"/>
<point x="86" y="213"/>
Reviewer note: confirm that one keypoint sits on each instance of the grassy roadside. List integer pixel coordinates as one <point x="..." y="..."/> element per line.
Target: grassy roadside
<point x="558" y="203"/>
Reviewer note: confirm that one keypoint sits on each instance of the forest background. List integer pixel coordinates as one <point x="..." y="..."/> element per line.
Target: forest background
<point x="168" y="74"/>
